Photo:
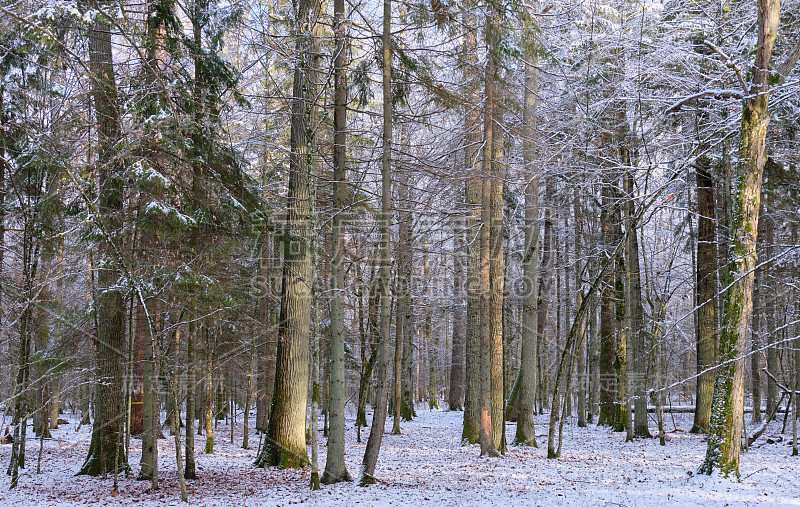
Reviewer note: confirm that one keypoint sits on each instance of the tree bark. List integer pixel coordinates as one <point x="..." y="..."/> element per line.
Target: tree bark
<point x="208" y="406"/>
<point x="497" y="283"/>
<point x="727" y="406"/>
<point x="370" y="461"/>
<point x="472" y="197"/>
<point x="472" y="394"/>
<point x="608" y="380"/>
<point x="486" y="439"/>
<point x="635" y="317"/>
<point x="526" y="432"/>
<point x="405" y="264"/>
<point x="335" y="469"/>
<point x="458" y="359"/>
<point x="150" y="414"/>
<point x="579" y="287"/>
<point x="106" y="450"/>
<point x="285" y="445"/>
<point x="706" y="295"/>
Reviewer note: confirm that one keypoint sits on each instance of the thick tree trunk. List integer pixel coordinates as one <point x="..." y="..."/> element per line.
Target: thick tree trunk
<point x="106" y="450"/>
<point x="727" y="406"/>
<point x="472" y="393"/>
<point x="150" y="414"/>
<point x="285" y="445"/>
<point x="486" y="439"/>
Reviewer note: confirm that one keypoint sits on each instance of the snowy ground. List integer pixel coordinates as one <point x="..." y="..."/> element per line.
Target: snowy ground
<point x="426" y="465"/>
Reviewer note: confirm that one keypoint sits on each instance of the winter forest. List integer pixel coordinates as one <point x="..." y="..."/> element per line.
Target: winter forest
<point x="353" y="252"/>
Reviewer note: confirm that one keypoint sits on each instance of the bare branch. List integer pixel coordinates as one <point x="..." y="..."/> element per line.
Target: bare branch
<point x="788" y="64"/>
<point x="717" y="94"/>
<point x="729" y="63"/>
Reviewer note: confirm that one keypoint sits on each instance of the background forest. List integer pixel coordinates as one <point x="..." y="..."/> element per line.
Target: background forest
<point x="585" y="209"/>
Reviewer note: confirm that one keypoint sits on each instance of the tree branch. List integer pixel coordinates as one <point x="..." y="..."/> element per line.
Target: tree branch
<point x="717" y="94"/>
<point x="788" y="64"/>
<point x="729" y="63"/>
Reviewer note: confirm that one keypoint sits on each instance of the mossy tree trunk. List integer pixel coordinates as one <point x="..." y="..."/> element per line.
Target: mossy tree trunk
<point x="727" y="406"/>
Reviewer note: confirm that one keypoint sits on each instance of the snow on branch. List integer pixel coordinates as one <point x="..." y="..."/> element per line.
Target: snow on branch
<point x="729" y="63"/>
<point x="717" y="94"/>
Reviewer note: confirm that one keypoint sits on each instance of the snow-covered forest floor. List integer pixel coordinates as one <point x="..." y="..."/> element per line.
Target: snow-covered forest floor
<point x="426" y="465"/>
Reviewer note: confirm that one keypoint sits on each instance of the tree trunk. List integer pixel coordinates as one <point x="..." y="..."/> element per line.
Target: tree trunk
<point x="497" y="283"/>
<point x="526" y="399"/>
<point x="633" y="304"/>
<point x="727" y="406"/>
<point x="335" y="469"/>
<point x="472" y="197"/>
<point x="706" y="295"/>
<point x="208" y="406"/>
<point x="766" y="302"/>
<point x="106" y="450"/>
<point x="190" y="471"/>
<point x="581" y="338"/>
<point x="608" y="380"/>
<point x="405" y="267"/>
<point x="399" y="319"/>
<point x="269" y="262"/>
<point x="315" y="391"/>
<point x="458" y="359"/>
<point x="431" y="340"/>
<point x="370" y="336"/>
<point x="486" y="438"/>
<point x="367" y="475"/>
<point x="248" y="397"/>
<point x="150" y="413"/>
<point x="621" y="403"/>
<point x="285" y="445"/>
<point x="472" y="393"/>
